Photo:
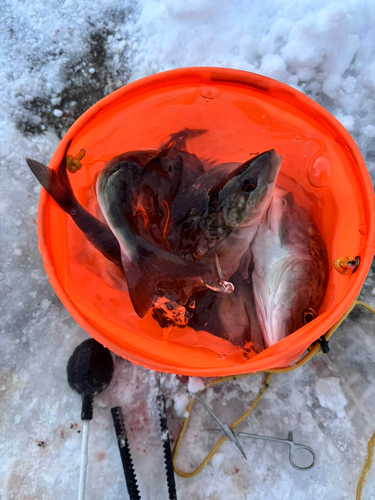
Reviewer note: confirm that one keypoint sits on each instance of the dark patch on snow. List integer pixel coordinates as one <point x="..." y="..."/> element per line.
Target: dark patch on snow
<point x="89" y="78"/>
<point x="39" y="109"/>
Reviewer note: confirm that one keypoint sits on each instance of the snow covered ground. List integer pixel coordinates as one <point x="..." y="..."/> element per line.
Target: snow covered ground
<point x="57" y="59"/>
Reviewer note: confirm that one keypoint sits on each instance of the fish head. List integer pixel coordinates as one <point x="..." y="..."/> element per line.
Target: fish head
<point x="298" y="285"/>
<point x="242" y="196"/>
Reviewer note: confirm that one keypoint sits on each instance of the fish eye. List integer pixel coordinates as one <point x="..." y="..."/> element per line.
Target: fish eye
<point x="249" y="184"/>
<point x="309" y="315"/>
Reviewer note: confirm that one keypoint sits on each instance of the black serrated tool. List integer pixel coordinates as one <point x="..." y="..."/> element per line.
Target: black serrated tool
<point x="166" y="447"/>
<point x="127" y="462"/>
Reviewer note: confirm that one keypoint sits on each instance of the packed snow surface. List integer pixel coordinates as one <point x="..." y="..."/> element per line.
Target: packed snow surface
<point x="330" y="395"/>
<point x="57" y="59"/>
<point x="195" y="384"/>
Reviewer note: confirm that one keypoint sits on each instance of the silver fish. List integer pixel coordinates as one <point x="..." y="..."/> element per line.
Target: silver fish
<point x="290" y="268"/>
<point x="144" y="264"/>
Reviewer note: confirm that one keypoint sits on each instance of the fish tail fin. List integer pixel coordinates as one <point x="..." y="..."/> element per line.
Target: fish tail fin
<point x="56" y="183"/>
<point x="61" y="171"/>
<point x="144" y="276"/>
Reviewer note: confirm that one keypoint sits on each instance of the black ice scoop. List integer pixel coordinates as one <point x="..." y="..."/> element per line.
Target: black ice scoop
<point x="89" y="370"/>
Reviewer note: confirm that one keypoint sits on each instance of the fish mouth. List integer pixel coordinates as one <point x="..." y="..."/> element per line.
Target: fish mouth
<point x="275" y="164"/>
<point x="266" y="164"/>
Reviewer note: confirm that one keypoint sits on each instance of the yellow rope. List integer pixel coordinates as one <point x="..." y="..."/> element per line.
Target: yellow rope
<point x="371" y="443"/>
<point x="366" y="306"/>
<point x="223" y="438"/>
<point x="316" y="349"/>
<point x="366" y="468"/>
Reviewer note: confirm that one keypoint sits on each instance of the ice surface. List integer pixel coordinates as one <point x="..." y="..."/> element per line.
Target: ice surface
<point x="195" y="384"/>
<point x="181" y="400"/>
<point x="330" y="395"/>
<point x="58" y="58"/>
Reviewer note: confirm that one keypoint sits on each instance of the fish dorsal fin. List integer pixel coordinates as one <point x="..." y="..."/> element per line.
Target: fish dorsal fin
<point x="178" y="139"/>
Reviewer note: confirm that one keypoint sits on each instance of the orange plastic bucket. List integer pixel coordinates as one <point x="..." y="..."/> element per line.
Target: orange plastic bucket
<point x="243" y="113"/>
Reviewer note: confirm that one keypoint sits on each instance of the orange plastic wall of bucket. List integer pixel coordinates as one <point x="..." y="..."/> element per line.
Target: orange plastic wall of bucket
<point x="243" y="114"/>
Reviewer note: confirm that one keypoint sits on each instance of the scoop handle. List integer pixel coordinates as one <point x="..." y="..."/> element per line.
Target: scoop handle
<point x="84" y="453"/>
<point x="87" y="405"/>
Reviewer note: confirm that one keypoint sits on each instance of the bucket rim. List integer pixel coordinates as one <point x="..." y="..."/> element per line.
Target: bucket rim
<point x="212" y="76"/>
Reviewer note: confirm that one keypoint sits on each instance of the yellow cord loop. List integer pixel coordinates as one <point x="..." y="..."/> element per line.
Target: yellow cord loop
<point x="366" y="468"/>
<point x="315" y="349"/>
<point x="223" y="438"/>
<point x="73" y="163"/>
<point x="366" y="306"/>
